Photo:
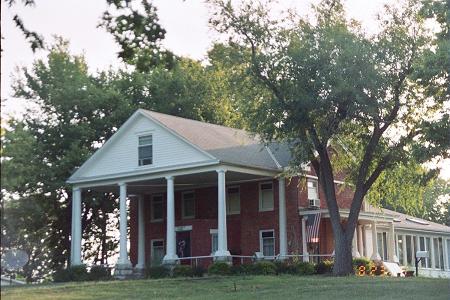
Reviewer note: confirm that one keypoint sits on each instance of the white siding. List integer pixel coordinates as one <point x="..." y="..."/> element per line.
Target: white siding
<point x="122" y="154"/>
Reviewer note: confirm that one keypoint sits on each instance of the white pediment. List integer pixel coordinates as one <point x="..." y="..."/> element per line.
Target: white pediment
<point x="119" y="154"/>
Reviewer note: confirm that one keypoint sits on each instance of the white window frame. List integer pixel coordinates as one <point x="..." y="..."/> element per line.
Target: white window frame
<point x="261" y="245"/>
<point x="229" y="211"/>
<point x="183" y="215"/>
<point x="152" y="247"/>
<point x="317" y="188"/>
<point x="447" y="250"/>
<point x="260" y="196"/>
<point x="147" y="134"/>
<point x="213" y="232"/>
<point x="152" y="211"/>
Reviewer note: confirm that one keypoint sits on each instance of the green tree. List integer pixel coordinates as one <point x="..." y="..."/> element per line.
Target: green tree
<point x="75" y="112"/>
<point x="137" y="30"/>
<point x="331" y="83"/>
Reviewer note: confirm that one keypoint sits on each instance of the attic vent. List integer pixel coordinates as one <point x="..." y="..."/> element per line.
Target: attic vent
<point x="417" y="221"/>
<point x="397" y="220"/>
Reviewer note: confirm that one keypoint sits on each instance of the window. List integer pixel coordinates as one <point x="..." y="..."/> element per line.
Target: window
<point x="428" y="245"/>
<point x="448" y="254"/>
<point x="400" y="248"/>
<point x="409" y="251"/>
<point x="267" y="242"/>
<point x="382" y="244"/>
<point x="157" y="254"/>
<point x="157" y="213"/>
<point x="438" y="253"/>
<point x="425" y="245"/>
<point x="214" y="241"/>
<point x="313" y="190"/>
<point x="145" y="150"/>
<point x="266" y="196"/>
<point x="188" y="205"/>
<point x="233" y="201"/>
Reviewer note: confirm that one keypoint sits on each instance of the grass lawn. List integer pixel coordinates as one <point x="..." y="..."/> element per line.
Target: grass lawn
<point x="250" y="287"/>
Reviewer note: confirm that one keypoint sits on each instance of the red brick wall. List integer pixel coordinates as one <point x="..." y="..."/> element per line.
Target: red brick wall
<point x="243" y="229"/>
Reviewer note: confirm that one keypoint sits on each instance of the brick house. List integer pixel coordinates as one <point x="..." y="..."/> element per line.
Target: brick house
<point x="200" y="192"/>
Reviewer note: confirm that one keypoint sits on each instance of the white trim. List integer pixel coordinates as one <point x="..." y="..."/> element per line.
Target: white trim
<point x="260" y="196"/>
<point x="152" y="211"/>
<point x="149" y="173"/>
<point x="183" y="216"/>
<point x="261" y="248"/>
<point x="317" y="178"/>
<point x="183" y="228"/>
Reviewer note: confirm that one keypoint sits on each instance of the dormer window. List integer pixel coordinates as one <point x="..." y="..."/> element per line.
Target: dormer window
<point x="145" y="150"/>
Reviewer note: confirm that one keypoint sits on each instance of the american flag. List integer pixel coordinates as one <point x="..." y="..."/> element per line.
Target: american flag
<point x="312" y="228"/>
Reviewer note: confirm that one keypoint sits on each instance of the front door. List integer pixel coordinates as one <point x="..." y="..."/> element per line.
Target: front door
<point x="184" y="246"/>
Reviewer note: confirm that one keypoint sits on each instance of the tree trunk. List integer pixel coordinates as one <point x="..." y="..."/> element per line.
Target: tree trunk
<point x="342" y="255"/>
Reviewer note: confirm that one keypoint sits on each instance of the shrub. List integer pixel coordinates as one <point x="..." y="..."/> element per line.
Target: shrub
<point x="183" y="271"/>
<point x="74" y="273"/>
<point x="99" y="273"/>
<point x="303" y="268"/>
<point x="157" y="272"/>
<point x="282" y="267"/>
<point x="264" y="268"/>
<point x="358" y="262"/>
<point x="198" y="271"/>
<point x="324" y="267"/>
<point x="219" y="268"/>
<point x="62" y="275"/>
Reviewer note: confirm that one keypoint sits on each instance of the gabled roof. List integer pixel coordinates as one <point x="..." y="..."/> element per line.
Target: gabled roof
<point x="227" y="144"/>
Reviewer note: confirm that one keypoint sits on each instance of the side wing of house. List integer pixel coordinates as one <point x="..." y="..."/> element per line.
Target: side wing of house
<point x="120" y="154"/>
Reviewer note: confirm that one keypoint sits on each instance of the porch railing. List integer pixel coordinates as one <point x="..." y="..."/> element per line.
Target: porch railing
<point x="245" y="259"/>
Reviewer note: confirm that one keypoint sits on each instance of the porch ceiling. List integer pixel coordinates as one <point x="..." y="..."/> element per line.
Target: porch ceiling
<point x="182" y="182"/>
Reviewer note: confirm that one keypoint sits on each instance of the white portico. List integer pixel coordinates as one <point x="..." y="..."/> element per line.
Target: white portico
<point x="162" y="153"/>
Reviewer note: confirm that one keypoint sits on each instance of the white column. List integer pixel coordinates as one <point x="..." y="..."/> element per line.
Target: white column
<point x="171" y="254"/>
<point x="360" y="240"/>
<point x="76" y="229"/>
<point x="392" y="256"/>
<point x="405" y="256"/>
<point x="222" y="247"/>
<point x="304" y="244"/>
<point x="355" y="252"/>
<point x="375" y="255"/>
<point x="282" y="216"/>
<point x="432" y="256"/>
<point x="123" y="253"/>
<point x="446" y="250"/>
<point x="141" y="234"/>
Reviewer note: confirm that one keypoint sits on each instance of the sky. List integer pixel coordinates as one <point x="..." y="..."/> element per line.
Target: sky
<point x="186" y="23"/>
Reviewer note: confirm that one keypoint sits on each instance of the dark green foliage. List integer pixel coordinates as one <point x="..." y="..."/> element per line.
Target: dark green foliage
<point x="304" y="268"/>
<point x="198" y="271"/>
<point x="182" y="271"/>
<point x="157" y="272"/>
<point x="324" y="267"/>
<point x="138" y="33"/>
<point x="328" y="82"/>
<point x="75" y="273"/>
<point x="219" y="268"/>
<point x="99" y="273"/>
<point x="283" y="267"/>
<point x="264" y="268"/>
